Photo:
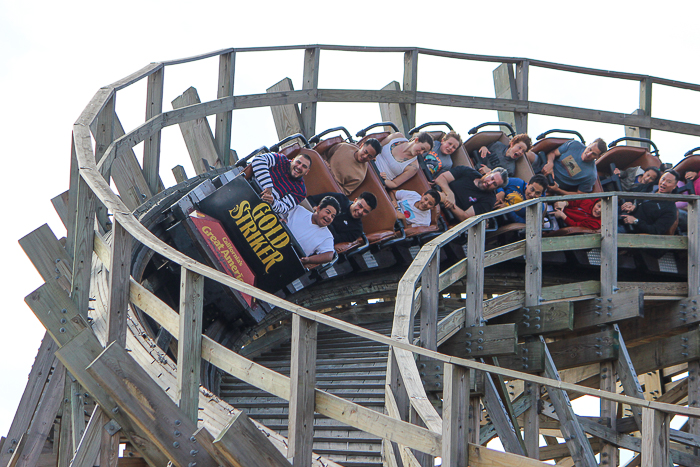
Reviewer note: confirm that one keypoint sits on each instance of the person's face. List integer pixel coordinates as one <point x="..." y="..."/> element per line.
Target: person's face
<point x="449" y="146"/>
<point x="591" y="153"/>
<point x="365" y="154"/>
<point x="667" y="183"/>
<point x="596" y="209"/>
<point x="491" y="181"/>
<point x="359" y="208"/>
<point x="516" y="151"/>
<point x="418" y="148"/>
<point x="300" y="166"/>
<point x="534" y="190"/>
<point x="324" y="216"/>
<point x="426" y="202"/>
<point x="648" y="177"/>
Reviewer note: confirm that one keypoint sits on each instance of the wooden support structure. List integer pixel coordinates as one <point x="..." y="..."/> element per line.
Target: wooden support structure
<point x="655" y="435"/>
<point x="302" y="381"/>
<point x="410" y="86"/>
<point x="189" y="349"/>
<point x="455" y="415"/>
<point x="532" y="300"/>
<point x="151" y="147"/>
<point x="197" y="135"/>
<point x="308" y="110"/>
<point x="505" y="87"/>
<point x="393" y="112"/>
<point x="222" y="138"/>
<point x="287" y="117"/>
<point x="242" y="444"/>
<point x="119" y="274"/>
<point x="88" y="446"/>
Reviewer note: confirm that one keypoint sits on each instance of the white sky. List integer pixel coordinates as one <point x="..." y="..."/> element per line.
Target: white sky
<point x="54" y="56"/>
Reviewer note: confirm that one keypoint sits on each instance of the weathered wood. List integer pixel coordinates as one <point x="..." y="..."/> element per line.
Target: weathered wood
<point x="60" y="204"/>
<point x="543" y="318"/>
<point x="206" y="440"/>
<point x="455" y="413"/>
<point x="567" y="291"/>
<point x="308" y="110"/>
<point x="504" y="253"/>
<point x="48" y="256"/>
<point x="302" y="380"/>
<point x="104" y="135"/>
<point x="287" y="117"/>
<point x="655" y="445"/>
<point x="146" y="405"/>
<point x="693" y="391"/>
<point x="533" y="256"/>
<point x="659" y="320"/>
<point x="89" y="445"/>
<point x="189" y="349"/>
<point x="504" y="303"/>
<point x="242" y="444"/>
<point x="660" y="242"/>
<point x="151" y="147"/>
<point x="429" y="305"/>
<point x="77" y="414"/>
<point x="118" y="284"/>
<point x="502" y="418"/>
<point x="109" y="445"/>
<point x="222" y="130"/>
<point x="660" y="289"/>
<point x="608" y="412"/>
<point x="529" y="357"/>
<point x="665" y="352"/>
<point x="475" y="279"/>
<point x="522" y="79"/>
<point x="693" y="247"/>
<point x="393" y="112"/>
<point x="505" y="88"/>
<point x="577" y="351"/>
<point x="410" y="86"/>
<point x="609" y="309"/>
<point x="65" y="446"/>
<point x="576" y="242"/>
<point x="628" y="376"/>
<point x="82" y="244"/>
<point x="38" y="378"/>
<point x="128" y="176"/>
<point x="179" y="174"/>
<point x="608" y="246"/>
<point x="531" y="420"/>
<point x="480" y="341"/>
<point x="197" y="135"/>
<point x="575" y="438"/>
<point x="481" y="456"/>
<point x="16" y="450"/>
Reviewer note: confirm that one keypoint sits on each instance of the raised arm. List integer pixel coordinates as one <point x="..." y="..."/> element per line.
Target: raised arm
<point x="549" y="166"/>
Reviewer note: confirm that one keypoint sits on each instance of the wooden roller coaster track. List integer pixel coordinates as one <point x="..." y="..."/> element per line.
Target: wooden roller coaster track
<point x="97" y="349"/>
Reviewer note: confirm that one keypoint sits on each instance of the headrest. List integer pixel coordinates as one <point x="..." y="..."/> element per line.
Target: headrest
<point x="691" y="163"/>
<point x="323" y="147"/>
<point x="625" y="157"/>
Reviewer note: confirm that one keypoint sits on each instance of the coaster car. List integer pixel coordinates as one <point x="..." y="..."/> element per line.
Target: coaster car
<point x="623" y="158"/>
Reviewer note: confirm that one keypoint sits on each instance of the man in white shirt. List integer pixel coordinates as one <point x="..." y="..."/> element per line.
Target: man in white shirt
<point x="310" y="229"/>
<point x="416" y="209"/>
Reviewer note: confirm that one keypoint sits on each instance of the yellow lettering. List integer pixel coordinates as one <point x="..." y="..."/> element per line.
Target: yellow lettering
<point x="260" y="210"/>
<point x="248" y="229"/>
<point x="273" y="231"/>
<point x="267" y="222"/>
<point x="239" y="210"/>
<point x="275" y="257"/>
<point x="280" y="241"/>
<point x="256" y="242"/>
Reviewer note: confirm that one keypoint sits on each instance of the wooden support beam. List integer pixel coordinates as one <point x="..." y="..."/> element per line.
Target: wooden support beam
<point x="501" y="414"/>
<point x="666" y="352"/>
<point x="481" y="456"/>
<point x="410" y="86"/>
<point x="36" y="384"/>
<point x="48" y="256"/>
<point x="179" y="174"/>
<point x="393" y="112"/>
<point x="287" y="117"/>
<point x="533" y="256"/>
<point x="522" y="78"/>
<point x="429" y="304"/>
<point x="77" y="414"/>
<point x="65" y="446"/>
<point x="578" y="351"/>
<point x="455" y="413"/>
<point x="693" y="248"/>
<point x="151" y="146"/>
<point x="608" y="247"/>
<point x="222" y="131"/>
<point x="659" y="320"/>
<point x="529" y="357"/>
<point x="693" y="389"/>
<point x="608" y="412"/>
<point x="128" y="176"/>
<point x="72" y="209"/>
<point x="302" y="381"/>
<point x="16" y="450"/>
<point x="109" y="445"/>
<point x="481" y="341"/>
<point x="146" y="405"/>
<point x="645" y="93"/>
<point x="197" y="135"/>
<point x="83" y="245"/>
<point x="118" y="284"/>
<point x="505" y="87"/>
<point x="308" y="109"/>
<point x="655" y="433"/>
<point x="242" y="444"/>
<point x="628" y="376"/>
<point x="543" y="318"/>
<point x="189" y="349"/>
<point x="575" y="438"/>
<point x="89" y="444"/>
<point x="475" y="278"/>
<point x="608" y="309"/>
<point x="104" y="135"/>
<point x="60" y="204"/>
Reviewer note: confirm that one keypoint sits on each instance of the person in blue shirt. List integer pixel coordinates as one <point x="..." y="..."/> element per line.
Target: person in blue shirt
<point x="517" y="191"/>
<point x="573" y="167"/>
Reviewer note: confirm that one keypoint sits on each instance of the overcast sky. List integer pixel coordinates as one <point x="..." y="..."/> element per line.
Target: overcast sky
<point x="54" y="56"/>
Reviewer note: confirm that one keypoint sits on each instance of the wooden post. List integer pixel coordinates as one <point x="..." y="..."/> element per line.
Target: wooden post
<point x="693" y="248"/>
<point x="179" y="174"/>
<point x="628" y="376"/>
<point x="151" y="146"/>
<point x="287" y="117"/>
<point x="429" y="304"/>
<point x="197" y="135"/>
<point x="608" y="247"/>
<point x="474" y="306"/>
<point x="533" y="292"/>
<point x="83" y="245"/>
<point x="65" y="447"/>
<point x="77" y="412"/>
<point x="104" y="135"/>
<point x="505" y="87"/>
<point x="128" y="176"/>
<point x="72" y="200"/>
<point x="308" y="110"/>
<point x="222" y="137"/>
<point x="455" y="415"/>
<point x="89" y="444"/>
<point x="645" y="105"/>
<point x="655" y="442"/>
<point x="303" y="382"/>
<point x="118" y="283"/>
<point x="242" y="444"/>
<point x="109" y="445"/>
<point x="522" y="78"/>
<point x="395" y="113"/>
<point x="189" y="348"/>
<point x="410" y="86"/>
<point x="608" y="413"/>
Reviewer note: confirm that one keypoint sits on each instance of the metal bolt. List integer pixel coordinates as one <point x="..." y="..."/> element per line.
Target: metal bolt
<point x="192" y="464"/>
<point x="176" y="445"/>
<point x="63" y="320"/>
<point x="537" y="311"/>
<point x="64" y="311"/>
<point x="11" y="450"/>
<point x="177" y="422"/>
<point x="115" y="410"/>
<point x="598" y="307"/>
<point x="469" y="334"/>
<point x="481" y="333"/>
<point x="193" y="439"/>
<point x="177" y="433"/>
<point x="62" y="330"/>
<point x="193" y="452"/>
<point x="480" y="341"/>
<point x="480" y="348"/>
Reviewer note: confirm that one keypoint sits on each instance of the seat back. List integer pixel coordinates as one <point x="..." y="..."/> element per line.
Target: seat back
<point x="688" y="163"/>
<point x="625" y="157"/>
<point x="378" y="136"/>
<point x="379" y="224"/>
<point x="324" y="146"/>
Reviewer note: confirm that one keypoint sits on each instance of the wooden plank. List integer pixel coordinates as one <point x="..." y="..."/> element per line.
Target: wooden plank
<point x="575" y="438"/>
<point x="128" y="177"/>
<point x="104" y="135"/>
<point x="109" y="445"/>
<point x="302" y="380"/>
<point x="567" y="291"/>
<point x="206" y="440"/>
<point x="660" y="242"/>
<point x="89" y="445"/>
<point x="531" y="420"/>
<point x="189" y="349"/>
<point x="82" y="244"/>
<point x="504" y="253"/>
<point x="578" y="351"/>
<point x="118" y="284"/>
<point x="504" y="303"/>
<point x="48" y="256"/>
<point x="147" y="406"/>
<point x="628" y="376"/>
<point x="410" y="86"/>
<point x="529" y="358"/>
<point x="522" y="79"/>
<point x="480" y="341"/>
<point x="665" y="352"/>
<point x="505" y="88"/>
<point x="693" y="247"/>
<point x="197" y="134"/>
<point x="608" y="246"/>
<point x="481" y="456"/>
<point x="38" y="378"/>
<point x="693" y="391"/>
<point x="242" y="444"/>
<point x="60" y="204"/>
<point x="65" y="446"/>
<point x="393" y="112"/>
<point x="608" y="412"/>
<point x="429" y="305"/>
<point x="661" y="319"/>
<point x="609" y="309"/>
<point x="543" y="318"/>
<point x="455" y="414"/>
<point x="308" y="110"/>
<point x="77" y="414"/>
<point x="576" y="242"/>
<point x="660" y="289"/>
<point x="179" y="174"/>
<point x="502" y="419"/>
<point x="287" y="117"/>
<point x="474" y="312"/>
<point x="655" y="444"/>
<point x="222" y="129"/>
<point x="449" y="325"/>
<point x="151" y="147"/>
<point x="43" y="420"/>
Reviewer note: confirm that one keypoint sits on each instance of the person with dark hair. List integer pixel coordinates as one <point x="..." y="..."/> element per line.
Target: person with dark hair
<point x="647" y="179"/>
<point x="310" y="229"/>
<point x="414" y="209"/>
<point x="348" y="163"/>
<point x="281" y="180"/>
<point x="439" y="160"/>
<point x="397" y="162"/>
<point x="347" y="225"/>
<point x="466" y="192"/>
<point x="652" y="216"/>
<point x="517" y="191"/>
<point x="573" y="167"/>
<point x="579" y="213"/>
<point x="498" y="154"/>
